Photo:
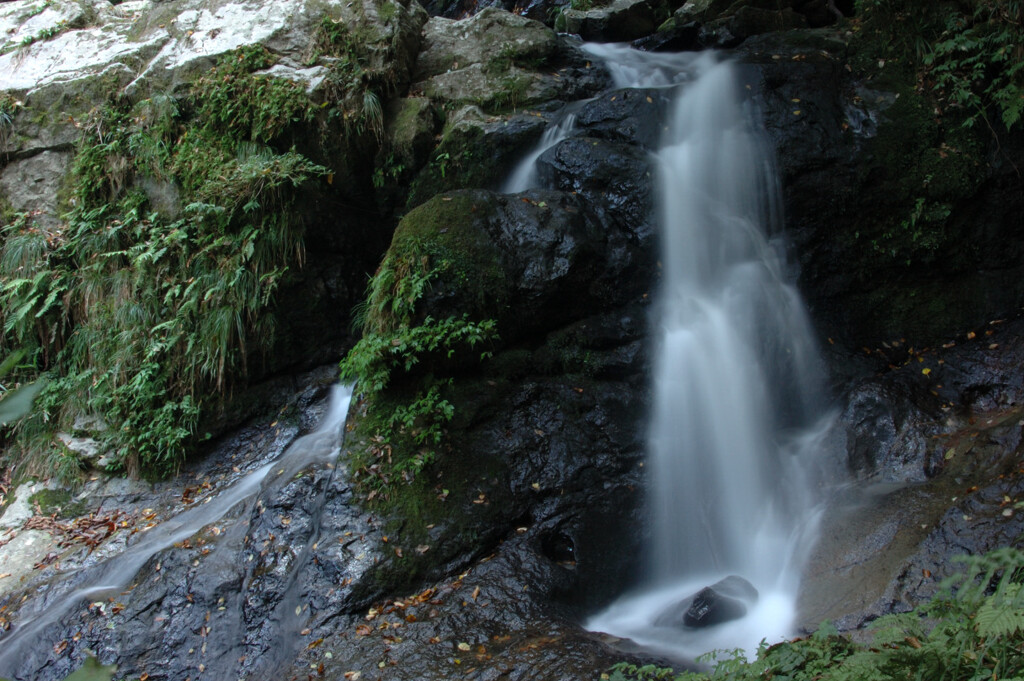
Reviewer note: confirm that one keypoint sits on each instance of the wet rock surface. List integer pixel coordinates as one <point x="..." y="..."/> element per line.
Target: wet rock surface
<point x="723" y="601"/>
<point x="945" y="481"/>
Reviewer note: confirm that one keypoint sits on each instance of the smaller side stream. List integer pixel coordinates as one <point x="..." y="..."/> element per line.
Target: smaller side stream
<point x="29" y="637"/>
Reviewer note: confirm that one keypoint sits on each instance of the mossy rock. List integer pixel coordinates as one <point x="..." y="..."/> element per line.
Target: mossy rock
<point x="476" y="152"/>
<point x="57" y="502"/>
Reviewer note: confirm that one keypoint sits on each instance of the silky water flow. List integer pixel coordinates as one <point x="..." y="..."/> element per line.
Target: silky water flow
<point x="737" y="418"/>
<point x="97" y="582"/>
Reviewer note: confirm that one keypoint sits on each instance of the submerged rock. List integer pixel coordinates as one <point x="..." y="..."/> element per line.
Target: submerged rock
<point x="723" y="601"/>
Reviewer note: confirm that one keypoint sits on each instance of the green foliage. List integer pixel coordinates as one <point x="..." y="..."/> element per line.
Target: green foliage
<point x="973" y="630"/>
<point x="140" y="316"/>
<point x="230" y="99"/>
<point x="354" y="88"/>
<point x="16" y="402"/>
<point x="969" y="55"/>
<point x="410" y="430"/>
<point x="978" y="62"/>
<point x="8" y="108"/>
<point x="397" y="342"/>
<point x="389" y="171"/>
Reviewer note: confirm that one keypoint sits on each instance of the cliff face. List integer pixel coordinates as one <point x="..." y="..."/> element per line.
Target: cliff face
<point x="195" y="194"/>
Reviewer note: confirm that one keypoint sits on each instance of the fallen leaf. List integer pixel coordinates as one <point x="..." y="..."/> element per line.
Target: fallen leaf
<point x="464" y="647"/>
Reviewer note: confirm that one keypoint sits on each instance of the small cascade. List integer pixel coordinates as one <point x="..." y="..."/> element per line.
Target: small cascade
<point x="525" y="174"/>
<point x="112" y="577"/>
<point x="737" y="389"/>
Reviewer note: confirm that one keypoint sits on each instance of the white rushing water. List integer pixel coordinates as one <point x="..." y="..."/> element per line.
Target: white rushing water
<point x="524" y="176"/>
<point x="113" y="576"/>
<point x="737" y="403"/>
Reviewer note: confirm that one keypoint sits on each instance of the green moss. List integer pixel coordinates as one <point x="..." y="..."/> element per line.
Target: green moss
<point x="435" y="509"/>
<point x="457" y="163"/>
<point x="57" y="502"/>
<point x="447" y="231"/>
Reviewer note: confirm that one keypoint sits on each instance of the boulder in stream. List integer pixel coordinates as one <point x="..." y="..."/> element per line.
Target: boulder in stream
<point x="723" y="601"/>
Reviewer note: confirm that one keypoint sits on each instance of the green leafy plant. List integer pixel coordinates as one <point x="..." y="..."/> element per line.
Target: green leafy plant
<point x="398" y="342"/>
<point x="978" y="62"/>
<point x="143" y="317"/>
<point x="969" y="55"/>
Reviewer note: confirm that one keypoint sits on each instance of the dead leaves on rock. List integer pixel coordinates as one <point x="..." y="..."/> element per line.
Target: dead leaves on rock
<point x="90" y="530"/>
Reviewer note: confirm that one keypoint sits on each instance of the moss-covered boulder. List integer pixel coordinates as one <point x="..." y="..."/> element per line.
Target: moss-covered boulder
<point x="454" y="448"/>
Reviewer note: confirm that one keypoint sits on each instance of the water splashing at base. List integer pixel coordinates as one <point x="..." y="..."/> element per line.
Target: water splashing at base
<point x="736" y="394"/>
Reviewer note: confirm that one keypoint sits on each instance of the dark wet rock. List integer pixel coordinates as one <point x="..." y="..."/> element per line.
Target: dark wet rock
<point x="621" y="20"/>
<point x="475" y="151"/>
<point x="852" y="157"/>
<point x="753" y="17"/>
<point x="633" y="116"/>
<point x="710" y="607"/>
<point x="615" y="179"/>
<point x="723" y="601"/>
<point x="541" y="259"/>
<point x="749" y="21"/>
<point x="888" y="431"/>
<point x="685" y="37"/>
<point x="941" y="455"/>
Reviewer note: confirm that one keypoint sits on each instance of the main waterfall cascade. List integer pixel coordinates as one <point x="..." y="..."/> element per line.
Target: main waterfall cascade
<point x="737" y="412"/>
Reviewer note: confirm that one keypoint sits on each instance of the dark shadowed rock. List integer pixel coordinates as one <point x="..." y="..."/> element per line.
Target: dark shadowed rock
<point x="710" y="607"/>
<point x="723" y="601"/>
<point x="633" y="116"/>
<point x="615" y="179"/>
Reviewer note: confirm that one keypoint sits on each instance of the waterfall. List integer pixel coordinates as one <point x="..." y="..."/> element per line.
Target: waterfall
<point x="737" y="396"/>
<point x="525" y="174"/>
